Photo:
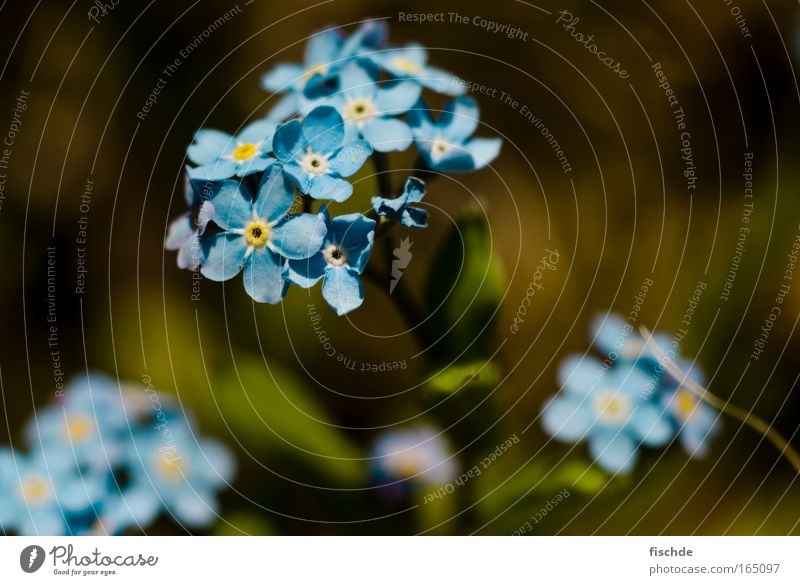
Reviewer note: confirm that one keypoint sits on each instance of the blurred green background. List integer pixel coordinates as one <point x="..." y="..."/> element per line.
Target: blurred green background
<point x="256" y="376"/>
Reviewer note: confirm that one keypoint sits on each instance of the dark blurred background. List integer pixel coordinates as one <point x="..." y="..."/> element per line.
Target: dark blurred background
<point x="256" y="376"/>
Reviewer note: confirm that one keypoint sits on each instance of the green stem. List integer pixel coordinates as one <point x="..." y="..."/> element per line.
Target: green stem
<point x="751" y="420"/>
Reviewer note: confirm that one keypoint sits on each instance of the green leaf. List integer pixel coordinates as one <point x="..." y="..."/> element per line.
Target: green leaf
<point x="479" y="373"/>
<point x="466" y="284"/>
<point x="271" y="412"/>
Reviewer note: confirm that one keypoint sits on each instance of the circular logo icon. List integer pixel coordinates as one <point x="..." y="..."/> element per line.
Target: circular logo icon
<point x="31" y="558"/>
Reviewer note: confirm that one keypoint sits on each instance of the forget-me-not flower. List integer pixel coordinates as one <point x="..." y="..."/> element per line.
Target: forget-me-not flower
<point x="222" y="156"/>
<point x="258" y="236"/>
<point x="370" y="108"/>
<point x="697" y="421"/>
<point x="315" y="155"/>
<point x="184" y="232"/>
<point x="339" y="263"/>
<point x="445" y="144"/>
<point x="419" y="454"/>
<point x="402" y="208"/>
<point x="613" y="413"/>
<point x="411" y="62"/>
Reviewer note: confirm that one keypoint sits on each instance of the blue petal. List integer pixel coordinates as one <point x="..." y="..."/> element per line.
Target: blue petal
<point x="355" y="232"/>
<point x="217" y="465"/>
<point x="254" y="165"/>
<point x="275" y="195"/>
<point x="387" y="134"/>
<point x="80" y="493"/>
<point x="223" y="256"/>
<point x="419" y="118"/>
<point x="196" y="508"/>
<point x="258" y="131"/>
<point x="43" y="522"/>
<point x="299" y="236"/>
<point x="179" y="231"/>
<point x="414" y="189"/>
<point x="323" y="128"/>
<point x="286" y="107"/>
<point x="301" y="179"/>
<point x="263" y="276"/>
<point x="611" y="333"/>
<point x="414" y="217"/>
<point x="282" y="77"/>
<point x="306" y="273"/>
<point x="615" y="452"/>
<point x="232" y="205"/>
<point x="342" y="289"/>
<point x="137" y="506"/>
<point x="579" y="375"/>
<point x="190" y="256"/>
<point x="390" y="59"/>
<point x="357" y="78"/>
<point x="564" y="418"/>
<point x="289" y="141"/>
<point x="442" y="81"/>
<point x="351" y="157"/>
<point x="208" y="146"/>
<point x="215" y="171"/>
<point x="484" y="150"/>
<point x="459" y="119"/>
<point x="397" y="98"/>
<point x="651" y="425"/>
<point x="323" y="47"/>
<point x="330" y="188"/>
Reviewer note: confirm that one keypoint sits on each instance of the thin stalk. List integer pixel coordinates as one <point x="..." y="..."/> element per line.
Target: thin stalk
<point x="758" y="424"/>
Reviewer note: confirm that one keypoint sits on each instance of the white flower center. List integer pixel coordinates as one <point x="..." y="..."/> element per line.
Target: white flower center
<point x="612" y="407"/>
<point x="315" y="164"/>
<point x="35" y="489"/>
<point x="359" y="110"/>
<point x="440" y="148"/>
<point x="335" y="255"/>
<point x="78" y="428"/>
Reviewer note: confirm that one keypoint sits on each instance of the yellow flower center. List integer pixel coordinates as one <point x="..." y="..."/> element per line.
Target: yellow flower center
<point x="407" y="464"/>
<point x="245" y="151"/>
<point x="78" y="428"/>
<point x="359" y="110"/>
<point x="172" y="467"/>
<point x="36" y="489"/>
<point x="611" y="407"/>
<point x="322" y="69"/>
<point x="684" y="403"/>
<point x="406" y="66"/>
<point x="257" y="233"/>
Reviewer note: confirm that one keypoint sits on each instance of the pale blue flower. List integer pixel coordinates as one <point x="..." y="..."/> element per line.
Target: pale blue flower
<point x="222" y="156"/>
<point x="411" y="63"/>
<point x="420" y="454"/>
<point x="184" y="232"/>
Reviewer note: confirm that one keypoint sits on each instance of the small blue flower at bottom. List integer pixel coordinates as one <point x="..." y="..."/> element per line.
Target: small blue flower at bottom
<point x="401" y="208"/>
<point x="180" y="476"/>
<point x="613" y="412"/>
<point x="222" y="156"/>
<point x="697" y="422"/>
<point x="259" y="236"/>
<point x="343" y="257"/>
<point x="420" y="454"/>
<point x="445" y="144"/>
<point x="40" y="494"/>
<point x="315" y="156"/>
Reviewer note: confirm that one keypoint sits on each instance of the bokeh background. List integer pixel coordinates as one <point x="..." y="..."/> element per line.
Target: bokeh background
<point x="257" y="377"/>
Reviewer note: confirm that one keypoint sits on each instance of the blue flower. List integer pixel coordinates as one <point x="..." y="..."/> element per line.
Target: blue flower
<point x="613" y="412"/>
<point x="326" y="51"/>
<point x="222" y="156"/>
<point x="42" y="494"/>
<point x="401" y="209"/>
<point x="184" y="232"/>
<point x="315" y="156"/>
<point x="339" y="263"/>
<point x="697" y="421"/>
<point x="369" y="109"/>
<point x="411" y="62"/>
<point x="420" y="454"/>
<point x="445" y="144"/>
<point x="171" y="470"/>
<point x="258" y="236"/>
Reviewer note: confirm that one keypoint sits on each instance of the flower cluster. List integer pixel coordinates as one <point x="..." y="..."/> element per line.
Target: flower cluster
<point x="353" y="97"/>
<point x="628" y="399"/>
<point x="106" y="457"/>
